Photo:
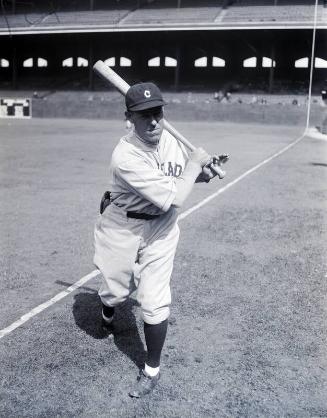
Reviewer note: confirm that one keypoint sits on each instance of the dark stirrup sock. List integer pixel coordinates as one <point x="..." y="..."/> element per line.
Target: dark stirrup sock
<point x="155" y="336"/>
<point x="108" y="311"/>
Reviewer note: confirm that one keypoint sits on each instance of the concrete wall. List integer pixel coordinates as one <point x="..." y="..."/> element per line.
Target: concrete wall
<point x="183" y="106"/>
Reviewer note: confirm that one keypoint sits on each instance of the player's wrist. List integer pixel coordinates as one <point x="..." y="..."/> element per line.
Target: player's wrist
<point x="194" y="166"/>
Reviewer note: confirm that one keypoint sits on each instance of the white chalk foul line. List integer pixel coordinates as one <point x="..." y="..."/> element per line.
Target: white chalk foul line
<point x="94" y="273"/>
<point x="241" y="177"/>
<point x="47" y="304"/>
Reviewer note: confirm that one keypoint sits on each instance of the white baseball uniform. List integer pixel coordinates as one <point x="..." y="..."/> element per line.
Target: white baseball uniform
<point x="138" y="252"/>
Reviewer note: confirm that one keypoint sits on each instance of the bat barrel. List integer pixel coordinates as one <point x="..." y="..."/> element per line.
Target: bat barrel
<point x="107" y="74"/>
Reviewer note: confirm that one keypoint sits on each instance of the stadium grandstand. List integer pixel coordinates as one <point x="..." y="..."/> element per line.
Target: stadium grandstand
<point x="246" y="45"/>
<point x="32" y="16"/>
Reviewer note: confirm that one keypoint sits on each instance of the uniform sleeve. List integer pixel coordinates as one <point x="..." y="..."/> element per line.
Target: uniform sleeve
<point x="148" y="182"/>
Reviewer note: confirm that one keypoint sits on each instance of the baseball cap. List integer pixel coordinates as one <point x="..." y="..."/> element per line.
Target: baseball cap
<point x="143" y="96"/>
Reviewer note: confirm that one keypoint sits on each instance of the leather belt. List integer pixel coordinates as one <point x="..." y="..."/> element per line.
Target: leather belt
<point x="145" y="216"/>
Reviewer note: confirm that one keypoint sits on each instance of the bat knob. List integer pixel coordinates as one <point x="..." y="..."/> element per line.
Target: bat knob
<point x="221" y="174"/>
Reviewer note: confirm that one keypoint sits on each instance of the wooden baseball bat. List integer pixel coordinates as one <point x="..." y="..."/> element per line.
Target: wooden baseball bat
<point x="110" y="75"/>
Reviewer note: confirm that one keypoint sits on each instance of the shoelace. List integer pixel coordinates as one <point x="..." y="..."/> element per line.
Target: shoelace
<point x="145" y="378"/>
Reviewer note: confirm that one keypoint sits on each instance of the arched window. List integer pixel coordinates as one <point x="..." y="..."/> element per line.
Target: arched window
<point x="154" y="62"/>
<point x="125" y="62"/>
<point x="41" y="62"/>
<point x="111" y="62"/>
<point x="320" y="63"/>
<point x="4" y="63"/>
<point x="82" y="62"/>
<point x="218" y="62"/>
<point x="201" y="62"/>
<point x="302" y="63"/>
<point x="170" y="62"/>
<point x="250" y="62"/>
<point x="68" y="62"/>
<point x="268" y="62"/>
<point x="28" y="63"/>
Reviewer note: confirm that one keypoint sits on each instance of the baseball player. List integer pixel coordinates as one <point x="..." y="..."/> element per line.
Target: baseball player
<point x="150" y="177"/>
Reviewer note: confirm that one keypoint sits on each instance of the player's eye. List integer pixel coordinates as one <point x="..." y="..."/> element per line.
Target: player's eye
<point x="154" y="113"/>
<point x="157" y="115"/>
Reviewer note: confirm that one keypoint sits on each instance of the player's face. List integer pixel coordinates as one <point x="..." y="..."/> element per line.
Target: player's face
<point x="149" y="124"/>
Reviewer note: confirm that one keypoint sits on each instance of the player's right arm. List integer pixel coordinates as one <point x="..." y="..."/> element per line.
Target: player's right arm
<point x="184" y="184"/>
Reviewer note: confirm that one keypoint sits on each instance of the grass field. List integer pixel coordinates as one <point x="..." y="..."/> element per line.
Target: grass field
<point x="247" y="334"/>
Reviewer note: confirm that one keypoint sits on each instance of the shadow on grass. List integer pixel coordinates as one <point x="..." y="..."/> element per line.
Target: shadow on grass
<point x="319" y="164"/>
<point x="87" y="315"/>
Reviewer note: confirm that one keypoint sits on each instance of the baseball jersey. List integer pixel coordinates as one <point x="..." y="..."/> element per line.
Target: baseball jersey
<point x="142" y="176"/>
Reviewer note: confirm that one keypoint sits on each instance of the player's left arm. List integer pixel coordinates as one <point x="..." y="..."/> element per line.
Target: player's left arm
<point x="207" y="173"/>
<point x="174" y="150"/>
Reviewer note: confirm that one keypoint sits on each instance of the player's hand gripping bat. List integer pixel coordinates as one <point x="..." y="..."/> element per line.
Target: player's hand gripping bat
<point x="108" y="74"/>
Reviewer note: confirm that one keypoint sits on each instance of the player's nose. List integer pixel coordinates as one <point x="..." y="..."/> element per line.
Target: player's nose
<point x="154" y="122"/>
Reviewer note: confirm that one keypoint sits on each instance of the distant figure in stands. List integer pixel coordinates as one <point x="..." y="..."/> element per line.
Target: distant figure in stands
<point x="324" y="101"/>
<point x="324" y="91"/>
<point x="221" y="95"/>
<point x="218" y="95"/>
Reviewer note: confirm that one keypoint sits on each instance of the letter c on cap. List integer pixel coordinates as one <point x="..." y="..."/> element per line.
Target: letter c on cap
<point x="147" y="94"/>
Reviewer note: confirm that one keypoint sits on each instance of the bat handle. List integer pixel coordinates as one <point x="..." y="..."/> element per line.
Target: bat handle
<point x="178" y="135"/>
<point x="220" y="173"/>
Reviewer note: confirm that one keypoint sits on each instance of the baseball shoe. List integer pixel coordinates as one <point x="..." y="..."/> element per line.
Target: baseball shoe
<point x="144" y="385"/>
<point x="107" y="315"/>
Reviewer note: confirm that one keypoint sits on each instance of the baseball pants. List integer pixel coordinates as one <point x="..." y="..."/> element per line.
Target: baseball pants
<point x="136" y="253"/>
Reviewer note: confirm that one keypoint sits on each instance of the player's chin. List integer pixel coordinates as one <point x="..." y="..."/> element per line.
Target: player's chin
<point x="154" y="136"/>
